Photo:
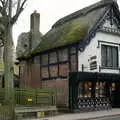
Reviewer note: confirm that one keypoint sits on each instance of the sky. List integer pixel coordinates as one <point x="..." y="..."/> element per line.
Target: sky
<point x="50" y="11"/>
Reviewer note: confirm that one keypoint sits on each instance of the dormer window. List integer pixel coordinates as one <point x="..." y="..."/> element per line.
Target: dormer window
<point x="109" y="56"/>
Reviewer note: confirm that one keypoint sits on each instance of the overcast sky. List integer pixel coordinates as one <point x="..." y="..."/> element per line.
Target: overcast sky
<point x="50" y="11"/>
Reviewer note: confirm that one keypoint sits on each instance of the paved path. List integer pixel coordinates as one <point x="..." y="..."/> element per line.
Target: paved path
<point x="84" y="116"/>
<point x="109" y="118"/>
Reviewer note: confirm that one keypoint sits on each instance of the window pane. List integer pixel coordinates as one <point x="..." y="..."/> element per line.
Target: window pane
<point x="109" y="56"/>
<point x="102" y="89"/>
<point x="87" y="88"/>
<point x="80" y="90"/>
<point x="104" y="55"/>
<point x="115" y="56"/>
<point x="97" y="89"/>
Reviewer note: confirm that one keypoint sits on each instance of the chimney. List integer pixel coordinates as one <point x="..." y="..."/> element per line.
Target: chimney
<point x="34" y="30"/>
<point x="35" y="22"/>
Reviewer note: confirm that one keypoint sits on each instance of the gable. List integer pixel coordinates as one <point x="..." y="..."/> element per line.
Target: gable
<point x="111" y="23"/>
<point x="108" y="24"/>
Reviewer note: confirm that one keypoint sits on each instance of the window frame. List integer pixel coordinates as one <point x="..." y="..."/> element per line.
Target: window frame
<point x="117" y="57"/>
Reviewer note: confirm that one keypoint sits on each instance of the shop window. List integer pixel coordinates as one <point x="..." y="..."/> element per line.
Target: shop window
<point x="113" y="86"/>
<point x="85" y="89"/>
<point x="80" y="90"/>
<point x="100" y="89"/>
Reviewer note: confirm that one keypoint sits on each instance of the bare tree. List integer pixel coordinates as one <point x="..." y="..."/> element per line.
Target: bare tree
<point x="10" y="11"/>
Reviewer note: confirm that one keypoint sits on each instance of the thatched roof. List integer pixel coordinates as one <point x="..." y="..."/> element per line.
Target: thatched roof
<point x="63" y="35"/>
<point x="74" y="27"/>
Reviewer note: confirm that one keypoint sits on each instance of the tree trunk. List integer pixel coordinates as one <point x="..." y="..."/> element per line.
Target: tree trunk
<point x="8" y="66"/>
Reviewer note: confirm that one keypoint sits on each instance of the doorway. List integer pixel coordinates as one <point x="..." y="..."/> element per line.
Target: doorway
<point x="115" y="94"/>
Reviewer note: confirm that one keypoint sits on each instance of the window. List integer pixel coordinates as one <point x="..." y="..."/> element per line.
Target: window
<point x="100" y="89"/>
<point x="109" y="56"/>
<point x="84" y="89"/>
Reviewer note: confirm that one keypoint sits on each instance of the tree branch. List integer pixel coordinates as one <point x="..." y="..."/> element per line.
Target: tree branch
<point x="2" y="9"/>
<point x="2" y="2"/>
<point x="6" y="4"/>
<point x="20" y="9"/>
<point x="10" y="9"/>
<point x="18" y="6"/>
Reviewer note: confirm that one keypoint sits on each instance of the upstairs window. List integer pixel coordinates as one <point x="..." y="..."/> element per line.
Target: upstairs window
<point x="109" y="56"/>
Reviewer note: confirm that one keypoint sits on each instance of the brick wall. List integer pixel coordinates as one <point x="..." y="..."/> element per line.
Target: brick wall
<point x="35" y="75"/>
<point x="24" y="74"/>
<point x="61" y="86"/>
<point x="73" y="63"/>
<point x="53" y="68"/>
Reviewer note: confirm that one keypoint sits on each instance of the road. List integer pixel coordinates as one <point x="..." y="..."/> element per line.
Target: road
<point x="109" y="118"/>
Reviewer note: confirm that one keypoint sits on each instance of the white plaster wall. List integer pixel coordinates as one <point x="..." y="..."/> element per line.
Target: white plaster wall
<point x="94" y="50"/>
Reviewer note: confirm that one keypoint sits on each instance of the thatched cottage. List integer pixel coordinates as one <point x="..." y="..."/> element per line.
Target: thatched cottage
<point x="79" y="56"/>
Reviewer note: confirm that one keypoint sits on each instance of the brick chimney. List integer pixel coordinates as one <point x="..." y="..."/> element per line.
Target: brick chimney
<point x="35" y="21"/>
<point x="34" y="29"/>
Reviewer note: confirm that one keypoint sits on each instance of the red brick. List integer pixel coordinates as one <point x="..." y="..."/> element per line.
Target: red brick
<point x="61" y="87"/>
<point x="63" y="70"/>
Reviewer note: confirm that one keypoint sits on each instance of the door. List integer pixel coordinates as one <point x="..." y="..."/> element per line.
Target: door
<point x="115" y="94"/>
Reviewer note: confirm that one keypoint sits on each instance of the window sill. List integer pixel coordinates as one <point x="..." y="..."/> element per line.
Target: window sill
<point x="113" y="68"/>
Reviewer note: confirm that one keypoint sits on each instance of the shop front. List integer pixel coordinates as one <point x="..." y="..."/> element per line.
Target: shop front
<point x="93" y="91"/>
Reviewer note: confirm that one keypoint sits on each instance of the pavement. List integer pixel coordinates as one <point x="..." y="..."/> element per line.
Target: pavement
<point x="83" y="116"/>
<point x="86" y="115"/>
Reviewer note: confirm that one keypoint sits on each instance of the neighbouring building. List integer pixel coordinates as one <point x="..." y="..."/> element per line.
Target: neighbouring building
<point x="79" y="56"/>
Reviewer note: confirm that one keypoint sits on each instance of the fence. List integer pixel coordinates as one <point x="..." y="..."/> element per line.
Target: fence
<point x="30" y="97"/>
<point x="6" y="113"/>
<point x="27" y="97"/>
